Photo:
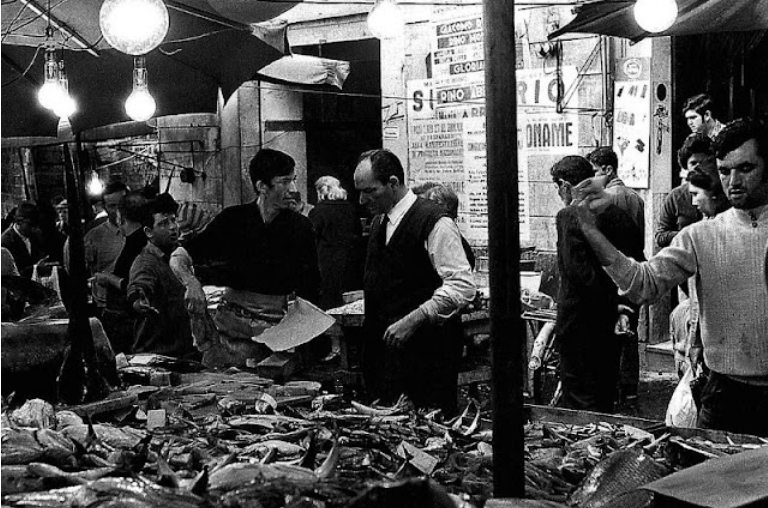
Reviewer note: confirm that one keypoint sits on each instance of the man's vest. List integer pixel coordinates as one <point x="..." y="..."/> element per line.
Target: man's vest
<point x="399" y="276"/>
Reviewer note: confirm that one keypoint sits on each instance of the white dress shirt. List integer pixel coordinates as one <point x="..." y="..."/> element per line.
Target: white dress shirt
<point x="448" y="259"/>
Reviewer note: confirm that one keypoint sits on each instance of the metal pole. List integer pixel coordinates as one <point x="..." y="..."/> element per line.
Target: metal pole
<point x="507" y="332"/>
<point x="79" y="379"/>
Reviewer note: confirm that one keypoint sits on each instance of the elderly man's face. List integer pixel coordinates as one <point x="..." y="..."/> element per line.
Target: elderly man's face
<point x="743" y="175"/>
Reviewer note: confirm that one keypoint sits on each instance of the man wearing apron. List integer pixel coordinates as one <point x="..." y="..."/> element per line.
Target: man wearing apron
<point x="262" y="252"/>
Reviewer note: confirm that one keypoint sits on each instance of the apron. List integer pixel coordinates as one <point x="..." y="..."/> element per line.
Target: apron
<point x="240" y="316"/>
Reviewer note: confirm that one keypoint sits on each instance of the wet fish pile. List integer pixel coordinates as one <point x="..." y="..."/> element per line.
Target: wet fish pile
<point x="334" y="453"/>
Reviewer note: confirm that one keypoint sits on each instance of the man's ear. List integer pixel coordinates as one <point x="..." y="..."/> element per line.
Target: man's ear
<point x="148" y="232"/>
<point x="707" y="115"/>
<point x="393" y="180"/>
<point x="260" y="186"/>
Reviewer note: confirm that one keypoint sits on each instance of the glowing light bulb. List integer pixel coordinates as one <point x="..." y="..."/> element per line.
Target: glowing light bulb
<point x="65" y="107"/>
<point x="140" y="105"/>
<point x="135" y="27"/>
<point x="51" y="92"/>
<point x="95" y="185"/>
<point x="386" y="20"/>
<point x="655" y="15"/>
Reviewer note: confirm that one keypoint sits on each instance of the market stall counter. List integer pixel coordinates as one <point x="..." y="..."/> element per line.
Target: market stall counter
<point x="234" y="439"/>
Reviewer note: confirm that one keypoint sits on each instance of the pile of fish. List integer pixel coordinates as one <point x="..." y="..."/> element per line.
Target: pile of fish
<point x="332" y="453"/>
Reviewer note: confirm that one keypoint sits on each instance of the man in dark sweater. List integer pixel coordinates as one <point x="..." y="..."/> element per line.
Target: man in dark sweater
<point x="588" y="304"/>
<point x="155" y="293"/>
<point x="417" y="279"/>
<point x="262" y="252"/>
<point x="117" y="317"/>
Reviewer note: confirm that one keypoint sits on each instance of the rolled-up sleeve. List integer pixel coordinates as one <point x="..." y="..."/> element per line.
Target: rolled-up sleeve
<point x="646" y="282"/>
<point x="450" y="263"/>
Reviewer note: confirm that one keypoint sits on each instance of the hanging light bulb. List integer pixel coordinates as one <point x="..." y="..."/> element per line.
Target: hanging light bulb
<point x="50" y="93"/>
<point x="140" y="105"/>
<point x="135" y="27"/>
<point x="386" y="21"/>
<point x="655" y="15"/>
<point x="95" y="185"/>
<point x="65" y="105"/>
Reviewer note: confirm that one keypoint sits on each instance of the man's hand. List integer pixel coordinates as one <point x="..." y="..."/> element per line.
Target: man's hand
<point x="195" y="298"/>
<point x="399" y="332"/>
<point x="591" y="192"/>
<point x="142" y="306"/>
<point x="622" y="326"/>
<point x="696" y="356"/>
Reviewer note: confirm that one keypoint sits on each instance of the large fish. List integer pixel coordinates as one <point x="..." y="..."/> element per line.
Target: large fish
<point x="615" y="478"/>
<point x="105" y="492"/>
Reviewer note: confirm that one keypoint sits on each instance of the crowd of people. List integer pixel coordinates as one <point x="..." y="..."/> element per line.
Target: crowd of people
<point x="717" y="254"/>
<point x="417" y="271"/>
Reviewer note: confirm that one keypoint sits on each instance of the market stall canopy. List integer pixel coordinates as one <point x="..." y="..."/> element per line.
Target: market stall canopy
<point x="612" y="17"/>
<point x="307" y="70"/>
<point x="204" y="51"/>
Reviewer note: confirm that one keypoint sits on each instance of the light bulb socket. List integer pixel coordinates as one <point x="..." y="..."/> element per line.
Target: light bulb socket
<point x="140" y="73"/>
<point x="51" y="65"/>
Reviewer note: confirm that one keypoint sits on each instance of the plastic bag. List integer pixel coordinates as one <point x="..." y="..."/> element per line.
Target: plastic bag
<point x="47" y="276"/>
<point x="682" y="411"/>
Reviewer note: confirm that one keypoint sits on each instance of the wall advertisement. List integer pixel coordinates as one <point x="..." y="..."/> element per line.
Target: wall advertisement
<point x="446" y="123"/>
<point x="631" y="122"/>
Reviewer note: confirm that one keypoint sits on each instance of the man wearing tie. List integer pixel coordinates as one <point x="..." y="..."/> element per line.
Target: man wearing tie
<point x="417" y="279"/>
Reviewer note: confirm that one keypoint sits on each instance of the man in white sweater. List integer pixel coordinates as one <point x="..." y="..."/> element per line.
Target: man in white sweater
<point x="727" y="257"/>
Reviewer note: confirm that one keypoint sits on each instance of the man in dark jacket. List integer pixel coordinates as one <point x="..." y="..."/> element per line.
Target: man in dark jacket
<point x="417" y="279"/>
<point x="588" y="304"/>
<point x="22" y="238"/>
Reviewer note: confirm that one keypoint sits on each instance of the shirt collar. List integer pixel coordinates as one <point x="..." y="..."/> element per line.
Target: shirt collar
<point x="153" y="249"/>
<point x="16" y="229"/>
<point x="116" y="230"/>
<point x="761" y="212"/>
<point x="397" y="212"/>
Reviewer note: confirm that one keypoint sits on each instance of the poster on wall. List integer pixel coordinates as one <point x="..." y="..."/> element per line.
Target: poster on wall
<point x="446" y="122"/>
<point x="631" y="122"/>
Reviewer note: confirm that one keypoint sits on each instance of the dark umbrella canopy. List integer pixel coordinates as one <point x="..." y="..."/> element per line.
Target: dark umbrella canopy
<point x="616" y="18"/>
<point x="203" y="51"/>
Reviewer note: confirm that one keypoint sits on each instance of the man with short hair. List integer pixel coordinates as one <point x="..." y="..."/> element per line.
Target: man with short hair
<point x="417" y="280"/>
<point x="606" y="164"/>
<point x="117" y="316"/>
<point x="698" y="112"/>
<point x="588" y="303"/>
<point x="605" y="161"/>
<point x="22" y="238"/>
<point x="157" y="296"/>
<point x="727" y="257"/>
<point x="262" y="252"/>
<point x="678" y="210"/>
<point x="103" y="243"/>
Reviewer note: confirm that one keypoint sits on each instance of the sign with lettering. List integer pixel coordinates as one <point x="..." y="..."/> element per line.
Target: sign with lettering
<point x="631" y="121"/>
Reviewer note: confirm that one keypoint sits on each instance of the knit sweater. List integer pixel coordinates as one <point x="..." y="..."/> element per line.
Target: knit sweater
<point x="726" y="257"/>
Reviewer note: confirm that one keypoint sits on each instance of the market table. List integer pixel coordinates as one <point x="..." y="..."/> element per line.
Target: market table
<point x="348" y="330"/>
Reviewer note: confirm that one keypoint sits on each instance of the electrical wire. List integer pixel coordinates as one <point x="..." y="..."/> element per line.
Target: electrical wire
<point x="26" y="71"/>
